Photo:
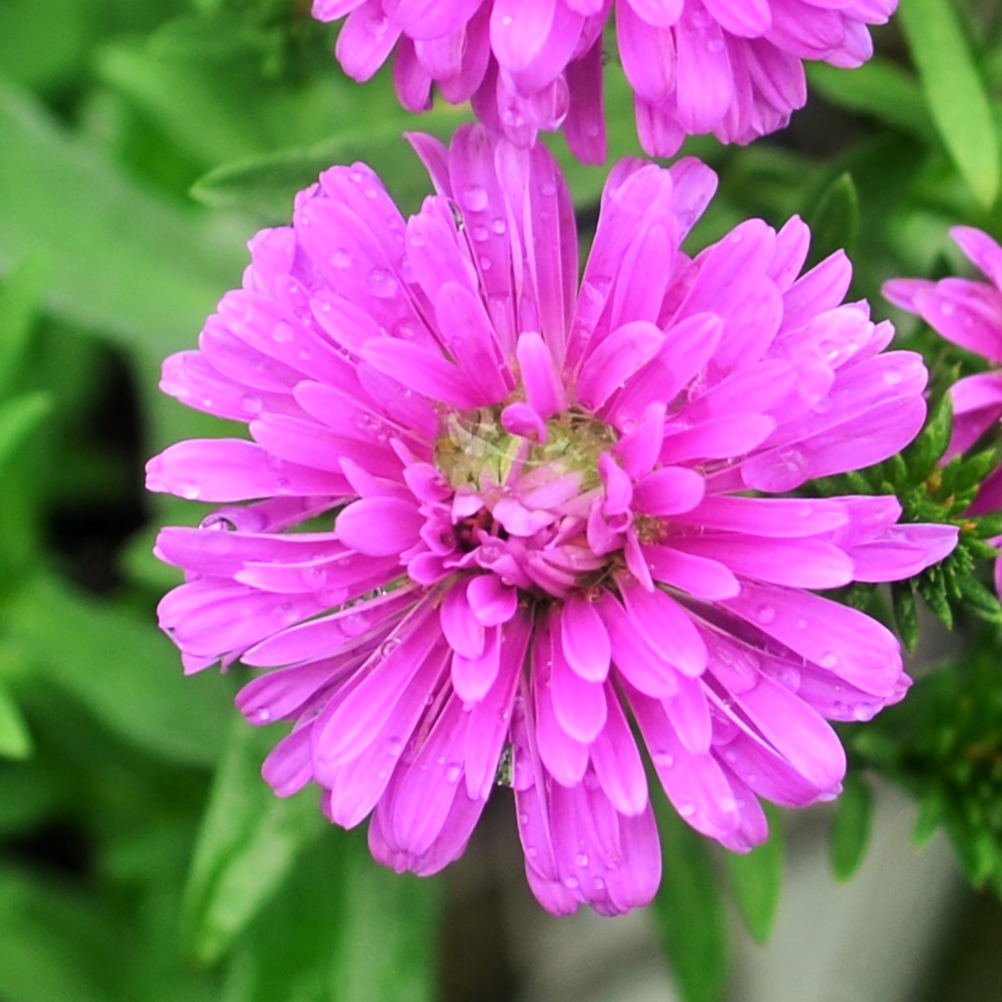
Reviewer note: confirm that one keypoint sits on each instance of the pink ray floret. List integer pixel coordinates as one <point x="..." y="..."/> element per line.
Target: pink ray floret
<point x="731" y="67"/>
<point x="492" y="525"/>
<point x="968" y="313"/>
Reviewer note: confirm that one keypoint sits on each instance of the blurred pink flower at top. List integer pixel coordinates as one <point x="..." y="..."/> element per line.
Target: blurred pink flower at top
<point x="496" y="520"/>
<point x="968" y="313"/>
<point x="730" y="67"/>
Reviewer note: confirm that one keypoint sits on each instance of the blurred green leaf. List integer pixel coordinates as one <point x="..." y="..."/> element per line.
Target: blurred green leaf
<point x="878" y="88"/>
<point x="851" y="828"/>
<point x="118" y="665"/>
<point x="19" y="303"/>
<point x="834" y="220"/>
<point x="54" y="944"/>
<point x="15" y="739"/>
<point x="689" y="912"/>
<point x="18" y="418"/>
<point x="342" y="929"/>
<point x="118" y="260"/>
<point x="249" y="843"/>
<point x="955" y="93"/>
<point x="756" y="879"/>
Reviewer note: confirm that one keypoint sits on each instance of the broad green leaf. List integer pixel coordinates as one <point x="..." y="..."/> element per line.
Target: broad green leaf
<point x="689" y="912"/>
<point x="249" y="843"/>
<point x="117" y="664"/>
<point x="15" y="739"/>
<point x="19" y="302"/>
<point x="954" y="91"/>
<point x="387" y="944"/>
<point x="756" y="879"/>
<point x="878" y="88"/>
<point x="851" y="828"/>
<point x="834" y="220"/>
<point x="18" y="418"/>
<point x="118" y="261"/>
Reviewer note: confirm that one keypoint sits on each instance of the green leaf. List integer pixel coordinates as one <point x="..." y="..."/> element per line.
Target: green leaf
<point x="15" y="739"/>
<point x="954" y="91"/>
<point x="930" y="817"/>
<point x="756" y="878"/>
<point x="342" y="929"/>
<point x="19" y="303"/>
<point x="851" y="829"/>
<point x="387" y="944"/>
<point x="248" y="845"/>
<point x="118" y="261"/>
<point x="18" y="418"/>
<point x="689" y="912"/>
<point x="120" y="667"/>
<point x="878" y="88"/>
<point x="979" y="600"/>
<point x="834" y="220"/>
<point x="905" y="613"/>
<point x="923" y="455"/>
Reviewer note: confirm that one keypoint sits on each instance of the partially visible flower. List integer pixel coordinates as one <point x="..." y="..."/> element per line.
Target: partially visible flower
<point x="968" y="313"/>
<point x="730" y="67"/>
<point x="493" y="517"/>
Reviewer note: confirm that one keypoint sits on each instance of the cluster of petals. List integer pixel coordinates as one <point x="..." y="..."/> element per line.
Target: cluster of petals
<point x="968" y="313"/>
<point x="731" y="67"/>
<point x="492" y="526"/>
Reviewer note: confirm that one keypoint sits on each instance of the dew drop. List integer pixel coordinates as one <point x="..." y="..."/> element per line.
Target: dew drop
<point x="715" y="44"/>
<point x="498" y="225"/>
<point x="864" y="711"/>
<point x="531" y="851"/>
<point x="523" y="818"/>
<point x="572" y="883"/>
<point x="452" y="772"/>
<point x="394" y="746"/>
<point x="581" y="859"/>
<point x="727" y="804"/>
<point x="189" y="490"/>
<point x="480" y="233"/>
<point x="829" y="659"/>
<point x="801" y="624"/>
<point x="217" y="523"/>
<point x="892" y="377"/>
<point x="663" y="760"/>
<point x="598" y="883"/>
<point x="251" y="403"/>
<point x="474" y="198"/>
<point x="287" y="613"/>
<point x="282" y="333"/>
<point x="549" y="189"/>
<point x="263" y="715"/>
<point x="947" y="308"/>
<point x="765" y="614"/>
<point x="686" y="810"/>
<point x="381" y="283"/>
<point x="355" y="624"/>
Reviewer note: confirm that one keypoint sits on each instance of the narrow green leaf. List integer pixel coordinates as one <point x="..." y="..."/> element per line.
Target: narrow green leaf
<point x="930" y="817"/>
<point x="979" y="600"/>
<point x="249" y="843"/>
<point x="905" y="613"/>
<point x="15" y="739"/>
<point x="118" y="665"/>
<point x="834" y="220"/>
<point x="18" y="418"/>
<point x="955" y="93"/>
<point x="878" y="88"/>
<point x="851" y="829"/>
<point x="19" y="302"/>
<point x="756" y="879"/>
<point x="689" y="912"/>
<point x="922" y="456"/>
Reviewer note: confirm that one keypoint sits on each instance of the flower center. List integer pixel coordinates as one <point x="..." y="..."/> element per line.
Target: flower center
<point x="476" y="450"/>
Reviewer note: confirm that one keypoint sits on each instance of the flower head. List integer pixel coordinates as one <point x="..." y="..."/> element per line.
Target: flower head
<point x="696" y="66"/>
<point x="968" y="313"/>
<point x="487" y="517"/>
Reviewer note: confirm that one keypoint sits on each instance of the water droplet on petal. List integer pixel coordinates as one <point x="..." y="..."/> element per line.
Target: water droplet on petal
<point x="251" y="403"/>
<point x="263" y="715"/>
<point x="765" y="614"/>
<point x="892" y="377"/>
<point x="581" y="859"/>
<point x="829" y="659"/>
<point x="341" y="258"/>
<point x="572" y="883"/>
<point x="453" y="771"/>
<point x="686" y="810"/>
<point x="217" y="523"/>
<point x="474" y="197"/>
<point x="381" y="283"/>
<point x="282" y="333"/>
<point x="498" y="225"/>
<point x="189" y="490"/>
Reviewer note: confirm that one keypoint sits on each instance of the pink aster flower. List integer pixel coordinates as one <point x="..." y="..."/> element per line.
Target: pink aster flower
<point x="730" y="67"/>
<point x="968" y="313"/>
<point x="490" y="526"/>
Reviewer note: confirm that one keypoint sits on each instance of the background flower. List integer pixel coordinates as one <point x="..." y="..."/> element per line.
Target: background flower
<point x="968" y="313"/>
<point x="494" y="516"/>
<point x="697" y="66"/>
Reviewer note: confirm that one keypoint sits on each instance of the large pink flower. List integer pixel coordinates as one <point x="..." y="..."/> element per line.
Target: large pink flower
<point x="494" y="518"/>
<point x="730" y="67"/>
<point x="968" y="313"/>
